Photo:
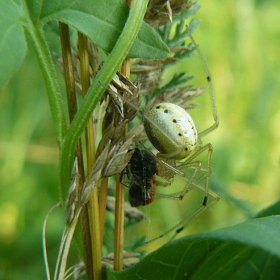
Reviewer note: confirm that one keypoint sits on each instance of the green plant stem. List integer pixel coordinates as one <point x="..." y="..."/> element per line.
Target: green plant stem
<point x="92" y="206"/>
<point x="50" y="78"/>
<point x="119" y="205"/>
<point x="72" y="110"/>
<point x="119" y="225"/>
<point x="96" y="90"/>
<point x="68" y="67"/>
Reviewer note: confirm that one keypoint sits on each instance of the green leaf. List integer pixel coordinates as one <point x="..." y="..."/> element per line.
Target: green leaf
<point x="12" y="43"/>
<point x="250" y="250"/>
<point x="98" y="20"/>
<point x="148" y="44"/>
<point x="102" y="22"/>
<point x="273" y="209"/>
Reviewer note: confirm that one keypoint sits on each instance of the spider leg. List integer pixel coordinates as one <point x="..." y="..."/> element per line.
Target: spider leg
<point x="191" y="217"/>
<point x="180" y="195"/>
<point x="211" y="89"/>
<point x="208" y="147"/>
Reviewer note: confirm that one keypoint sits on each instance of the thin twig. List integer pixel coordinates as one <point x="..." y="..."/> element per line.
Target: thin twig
<point x="67" y="240"/>
<point x="45" y="254"/>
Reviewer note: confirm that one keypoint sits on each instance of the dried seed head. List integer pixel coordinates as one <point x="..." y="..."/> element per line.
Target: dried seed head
<point x="130" y="213"/>
<point x="72" y="198"/>
<point x="129" y="259"/>
<point x="179" y="96"/>
<point x="95" y="176"/>
<point x="117" y="158"/>
<point x="159" y="12"/>
<point x="120" y="87"/>
<point x="112" y="156"/>
<point x="149" y="72"/>
<point x="93" y="58"/>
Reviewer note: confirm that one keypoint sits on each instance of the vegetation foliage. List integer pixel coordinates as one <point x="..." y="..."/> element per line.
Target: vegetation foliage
<point x="243" y="245"/>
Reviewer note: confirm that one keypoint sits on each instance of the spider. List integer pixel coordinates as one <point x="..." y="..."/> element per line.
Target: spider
<point x="141" y="172"/>
<point x="173" y="133"/>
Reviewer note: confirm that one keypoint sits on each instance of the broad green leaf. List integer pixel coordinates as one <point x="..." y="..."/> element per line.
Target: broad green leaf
<point x="148" y="44"/>
<point x="102" y="22"/>
<point x="250" y="250"/>
<point x="273" y="209"/>
<point x="12" y="41"/>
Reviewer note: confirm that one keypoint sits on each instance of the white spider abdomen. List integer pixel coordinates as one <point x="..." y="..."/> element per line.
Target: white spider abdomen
<point x="171" y="130"/>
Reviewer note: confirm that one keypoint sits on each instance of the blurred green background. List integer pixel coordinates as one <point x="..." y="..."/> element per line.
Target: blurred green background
<point x="240" y="41"/>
